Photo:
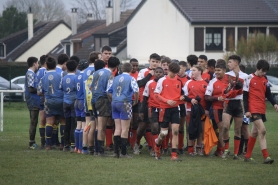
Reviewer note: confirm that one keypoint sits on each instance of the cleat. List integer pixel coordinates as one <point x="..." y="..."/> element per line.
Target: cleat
<point x="140" y="147"/>
<point x="268" y="160"/>
<point x="181" y="152"/>
<point x="157" y="152"/>
<point x="66" y="149"/>
<point x="136" y="150"/>
<point x="114" y="155"/>
<point x="75" y="150"/>
<point x="174" y="157"/>
<point x="226" y="154"/>
<point x="72" y="149"/>
<point x="61" y="147"/>
<point x="152" y="153"/>
<point x="192" y="154"/>
<point x="34" y="146"/>
<point x="125" y="156"/>
<point x="85" y="152"/>
<point x="218" y="153"/>
<point x="200" y="152"/>
<point x="47" y="148"/>
<point x="79" y="151"/>
<point x="251" y="160"/>
<point x="109" y="148"/>
<point x="165" y="151"/>
<point x="42" y="147"/>
<point x="236" y="157"/>
<point x="145" y="144"/>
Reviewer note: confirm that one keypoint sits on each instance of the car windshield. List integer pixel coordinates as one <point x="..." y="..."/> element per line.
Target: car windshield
<point x="273" y="80"/>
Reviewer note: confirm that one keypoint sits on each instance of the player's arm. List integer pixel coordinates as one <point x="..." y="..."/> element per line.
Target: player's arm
<point x="135" y="88"/>
<point x="39" y="89"/>
<point x="270" y="98"/>
<point x="143" y="80"/>
<point x="110" y="92"/>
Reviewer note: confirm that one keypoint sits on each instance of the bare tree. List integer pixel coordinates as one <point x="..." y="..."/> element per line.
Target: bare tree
<point x="43" y="10"/>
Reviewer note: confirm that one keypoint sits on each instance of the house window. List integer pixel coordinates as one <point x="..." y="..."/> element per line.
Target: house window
<point x="68" y="49"/>
<point x="256" y="30"/>
<point x="2" y="51"/>
<point x="214" y="37"/>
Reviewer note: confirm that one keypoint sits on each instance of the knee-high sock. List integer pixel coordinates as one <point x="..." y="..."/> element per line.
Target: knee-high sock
<point x="236" y="144"/>
<point x="241" y="144"/>
<point x="165" y="143"/>
<point x="96" y="142"/>
<point x="180" y="138"/>
<point x="117" y="142"/>
<point x="133" y="138"/>
<point x="54" y="139"/>
<point x="42" y="134"/>
<point x="76" y="138"/>
<point x="123" y="146"/>
<point x="250" y="146"/>
<point x="72" y="132"/>
<point x="48" y="130"/>
<point x="62" y="133"/>
<point x="109" y="135"/>
<point x="149" y="137"/>
<point x="80" y="139"/>
<point x="154" y="137"/>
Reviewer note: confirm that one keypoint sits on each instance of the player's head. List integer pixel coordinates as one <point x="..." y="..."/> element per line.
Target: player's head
<point x="75" y="58"/>
<point x="233" y="61"/>
<point x="83" y="64"/>
<point x="94" y="55"/>
<point x="174" y="69"/>
<point x="154" y="61"/>
<point x="106" y="53"/>
<point x="262" y="67"/>
<point x="135" y="65"/>
<point x="221" y="61"/>
<point x="165" y="64"/>
<point x="211" y="65"/>
<point x="99" y="64"/>
<point x="242" y="68"/>
<point x="126" y="67"/>
<point x="51" y="63"/>
<point x="43" y="60"/>
<point x="71" y="66"/>
<point x="33" y="62"/>
<point x="197" y="71"/>
<point x="203" y="61"/>
<point x="113" y="63"/>
<point x="183" y="67"/>
<point x="158" y="73"/>
<point x="62" y="60"/>
<point x="220" y="69"/>
<point x="192" y="60"/>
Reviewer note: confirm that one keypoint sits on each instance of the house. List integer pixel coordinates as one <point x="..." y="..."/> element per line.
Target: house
<point x="35" y="41"/>
<point x="177" y="28"/>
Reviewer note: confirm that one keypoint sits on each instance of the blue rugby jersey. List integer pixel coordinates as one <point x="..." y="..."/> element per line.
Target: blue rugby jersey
<point x="51" y="85"/>
<point x="123" y="87"/>
<point x="40" y="73"/>
<point x="32" y="99"/>
<point x="99" y="85"/>
<point x="88" y="71"/>
<point x="79" y="83"/>
<point x="69" y="88"/>
<point x="59" y="70"/>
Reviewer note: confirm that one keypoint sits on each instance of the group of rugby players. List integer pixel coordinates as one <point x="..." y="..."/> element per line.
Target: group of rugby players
<point x="96" y="99"/>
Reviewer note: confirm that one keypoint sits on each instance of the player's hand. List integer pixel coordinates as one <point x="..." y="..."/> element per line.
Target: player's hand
<point x="276" y="107"/>
<point x="248" y="114"/>
<point x="220" y="98"/>
<point x="171" y="102"/>
<point x="141" y="116"/>
<point x="193" y="101"/>
<point x="182" y="98"/>
<point x="151" y="72"/>
<point x="206" y="112"/>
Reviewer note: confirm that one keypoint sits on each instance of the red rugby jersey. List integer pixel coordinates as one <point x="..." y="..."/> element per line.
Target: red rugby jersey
<point x="183" y="79"/>
<point x="149" y="92"/>
<point x="256" y="86"/>
<point x="215" y="89"/>
<point x="170" y="89"/>
<point x="193" y="88"/>
<point x="206" y="76"/>
<point x="142" y="74"/>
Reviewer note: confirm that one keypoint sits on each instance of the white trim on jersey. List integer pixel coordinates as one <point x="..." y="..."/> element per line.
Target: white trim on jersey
<point x="159" y="87"/>
<point x="185" y="88"/>
<point x="141" y="74"/>
<point x="146" y="91"/>
<point x="209" y="89"/>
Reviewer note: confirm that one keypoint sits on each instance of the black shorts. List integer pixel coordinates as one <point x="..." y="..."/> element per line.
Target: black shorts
<point x="153" y="114"/>
<point x="217" y="114"/>
<point x="69" y="110"/>
<point x="103" y="107"/>
<point x="145" y="112"/>
<point x="169" y="115"/>
<point x="135" y="108"/>
<point x="257" y="116"/>
<point x="234" y="108"/>
<point x="182" y="110"/>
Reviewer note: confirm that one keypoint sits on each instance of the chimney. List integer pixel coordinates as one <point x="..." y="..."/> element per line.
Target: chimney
<point x="74" y="21"/>
<point x="30" y="24"/>
<point x="116" y="11"/>
<point x="109" y="14"/>
<point x="89" y="17"/>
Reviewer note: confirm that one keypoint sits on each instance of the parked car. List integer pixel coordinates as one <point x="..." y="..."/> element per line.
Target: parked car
<point x="6" y="85"/>
<point x="273" y="81"/>
<point x="20" y="81"/>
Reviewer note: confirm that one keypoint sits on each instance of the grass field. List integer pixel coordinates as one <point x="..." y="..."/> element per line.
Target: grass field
<point x="18" y="165"/>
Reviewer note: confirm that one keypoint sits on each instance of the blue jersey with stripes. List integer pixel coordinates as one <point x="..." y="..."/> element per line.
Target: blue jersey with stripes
<point x="99" y="85"/>
<point x="122" y="88"/>
<point x="69" y="88"/>
<point x="40" y="73"/>
<point x="79" y="83"/>
<point x="32" y="99"/>
<point x="51" y="85"/>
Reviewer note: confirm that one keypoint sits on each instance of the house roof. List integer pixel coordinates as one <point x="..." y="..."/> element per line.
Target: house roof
<point x="225" y="11"/>
<point x="25" y="45"/>
<point x="116" y="26"/>
<point x="121" y="46"/>
<point x="56" y="51"/>
<point x="83" y="53"/>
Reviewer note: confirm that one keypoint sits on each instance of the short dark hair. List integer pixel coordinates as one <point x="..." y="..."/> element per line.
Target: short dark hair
<point x="106" y="48"/>
<point x="204" y="57"/>
<point x="155" y="56"/>
<point x="262" y="65"/>
<point x="71" y="65"/>
<point x="133" y="60"/>
<point x="75" y="58"/>
<point x="31" y="61"/>
<point x="62" y="58"/>
<point x="242" y="68"/>
<point x="43" y="59"/>
<point x="51" y="63"/>
<point x="174" y="67"/>
<point x="93" y="56"/>
<point x="166" y="60"/>
<point x="126" y="67"/>
<point x="113" y="62"/>
<point x="99" y="64"/>
<point x="220" y="61"/>
<point x="235" y="57"/>
<point x="199" y="68"/>
<point x="159" y="68"/>
<point x="83" y="64"/>
<point x="183" y="63"/>
<point x="211" y="63"/>
<point x="221" y="65"/>
<point x="192" y="60"/>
